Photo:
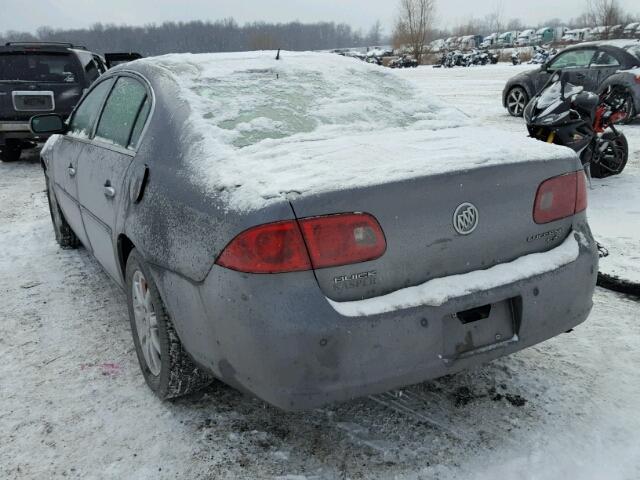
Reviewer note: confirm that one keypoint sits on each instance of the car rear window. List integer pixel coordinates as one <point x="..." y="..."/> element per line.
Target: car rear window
<point x="39" y="67"/>
<point x="634" y="50"/>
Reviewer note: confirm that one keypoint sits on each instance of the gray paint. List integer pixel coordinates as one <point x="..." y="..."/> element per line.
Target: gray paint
<point x="276" y="335"/>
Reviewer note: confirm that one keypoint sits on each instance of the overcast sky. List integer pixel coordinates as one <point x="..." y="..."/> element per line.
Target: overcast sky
<point x="27" y="15"/>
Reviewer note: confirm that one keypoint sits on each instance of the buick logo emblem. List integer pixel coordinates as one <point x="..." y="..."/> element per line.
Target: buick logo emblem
<point x="465" y="218"/>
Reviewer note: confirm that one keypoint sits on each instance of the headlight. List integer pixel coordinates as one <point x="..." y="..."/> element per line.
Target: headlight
<point x="553" y="118"/>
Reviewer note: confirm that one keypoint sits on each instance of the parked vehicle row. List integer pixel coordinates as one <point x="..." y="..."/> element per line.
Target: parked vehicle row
<point x="536" y="37"/>
<point x="43" y="77"/>
<point x="468" y="59"/>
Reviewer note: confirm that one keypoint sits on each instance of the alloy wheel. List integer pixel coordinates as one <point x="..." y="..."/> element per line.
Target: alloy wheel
<point x="146" y="323"/>
<point x="516" y="102"/>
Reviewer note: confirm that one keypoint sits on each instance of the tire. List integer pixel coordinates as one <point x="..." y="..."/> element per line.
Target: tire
<point x="10" y="152"/>
<point x="631" y="108"/>
<point x="517" y="100"/>
<point x="614" y="159"/>
<point x="65" y="236"/>
<point x="166" y="366"/>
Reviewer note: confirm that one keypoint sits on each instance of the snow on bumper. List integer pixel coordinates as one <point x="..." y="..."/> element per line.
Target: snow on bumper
<point x="438" y="291"/>
<point x="280" y="339"/>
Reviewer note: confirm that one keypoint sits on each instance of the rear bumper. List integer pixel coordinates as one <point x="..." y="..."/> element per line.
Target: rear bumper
<point x="12" y="130"/>
<point x="285" y="343"/>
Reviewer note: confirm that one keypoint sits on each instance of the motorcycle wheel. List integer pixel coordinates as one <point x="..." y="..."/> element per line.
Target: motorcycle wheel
<point x="613" y="160"/>
<point x="629" y="108"/>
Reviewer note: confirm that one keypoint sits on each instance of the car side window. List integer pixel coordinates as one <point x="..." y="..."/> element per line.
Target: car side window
<point x="140" y="123"/>
<point x="87" y="112"/>
<point x="121" y="111"/>
<point x="573" y="59"/>
<point x="603" y="59"/>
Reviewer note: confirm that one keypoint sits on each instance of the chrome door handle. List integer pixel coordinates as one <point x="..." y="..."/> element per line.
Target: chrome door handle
<point x="109" y="191"/>
<point x="71" y="170"/>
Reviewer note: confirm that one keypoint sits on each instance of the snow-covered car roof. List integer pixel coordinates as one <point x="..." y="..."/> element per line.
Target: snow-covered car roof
<point x="260" y="128"/>
<point x="621" y="43"/>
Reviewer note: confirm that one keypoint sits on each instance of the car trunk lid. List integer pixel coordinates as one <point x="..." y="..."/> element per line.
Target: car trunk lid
<point x="430" y="225"/>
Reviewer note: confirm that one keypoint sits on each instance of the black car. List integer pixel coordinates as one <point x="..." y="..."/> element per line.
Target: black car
<point x="42" y="78"/>
<point x="593" y="65"/>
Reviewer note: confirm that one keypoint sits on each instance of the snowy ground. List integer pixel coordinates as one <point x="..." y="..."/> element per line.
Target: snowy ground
<point x="73" y="403"/>
<point x="614" y="204"/>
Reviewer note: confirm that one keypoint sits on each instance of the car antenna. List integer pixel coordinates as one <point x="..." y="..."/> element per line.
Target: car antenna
<point x="278" y="55"/>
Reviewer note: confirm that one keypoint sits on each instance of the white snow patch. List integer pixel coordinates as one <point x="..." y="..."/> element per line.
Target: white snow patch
<point x="260" y="128"/>
<point x="439" y="290"/>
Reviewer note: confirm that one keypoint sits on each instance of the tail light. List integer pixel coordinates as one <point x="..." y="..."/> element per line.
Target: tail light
<point x="314" y="242"/>
<point x="560" y="197"/>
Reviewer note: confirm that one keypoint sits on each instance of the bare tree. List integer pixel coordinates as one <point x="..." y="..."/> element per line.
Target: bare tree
<point x="495" y="19"/>
<point x="413" y="26"/>
<point x="605" y="13"/>
<point x="374" y="36"/>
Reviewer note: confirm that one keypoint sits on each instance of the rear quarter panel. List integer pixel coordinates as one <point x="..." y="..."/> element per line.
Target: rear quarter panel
<point x="178" y="225"/>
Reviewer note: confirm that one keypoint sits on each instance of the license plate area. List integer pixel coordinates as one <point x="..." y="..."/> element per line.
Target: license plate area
<point x="28" y="101"/>
<point x="480" y="329"/>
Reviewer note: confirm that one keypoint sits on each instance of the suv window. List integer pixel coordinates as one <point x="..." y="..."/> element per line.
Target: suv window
<point x="573" y="59"/>
<point x="603" y="59"/>
<point x="91" y="70"/>
<point x="87" y="112"/>
<point x="39" y="67"/>
<point x="121" y="112"/>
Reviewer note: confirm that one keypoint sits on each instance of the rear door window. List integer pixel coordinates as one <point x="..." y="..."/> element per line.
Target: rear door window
<point x="121" y="111"/>
<point x="87" y="112"/>
<point x="573" y="59"/>
<point x="39" y="67"/>
<point x="603" y="59"/>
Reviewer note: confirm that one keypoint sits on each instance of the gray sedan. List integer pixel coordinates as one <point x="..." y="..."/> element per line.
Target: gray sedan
<point x="594" y="66"/>
<point x="312" y="228"/>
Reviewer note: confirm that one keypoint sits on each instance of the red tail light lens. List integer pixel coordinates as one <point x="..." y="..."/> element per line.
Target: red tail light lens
<point x="314" y="242"/>
<point x="343" y="239"/>
<point x="560" y="197"/>
<point x="270" y="248"/>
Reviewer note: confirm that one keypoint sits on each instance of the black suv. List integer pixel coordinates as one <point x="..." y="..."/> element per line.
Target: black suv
<point x="42" y="77"/>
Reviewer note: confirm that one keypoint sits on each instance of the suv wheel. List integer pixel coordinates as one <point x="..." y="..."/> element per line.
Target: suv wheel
<point x="10" y="152"/>
<point x="64" y="234"/>
<point x="166" y="366"/>
<point x="517" y="99"/>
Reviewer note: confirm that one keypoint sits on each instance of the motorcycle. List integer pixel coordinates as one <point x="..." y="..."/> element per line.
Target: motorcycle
<point x="565" y="114"/>
<point x="542" y="54"/>
<point x="515" y="57"/>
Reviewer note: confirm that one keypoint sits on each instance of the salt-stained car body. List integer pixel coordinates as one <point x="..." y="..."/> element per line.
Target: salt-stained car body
<point x="312" y="229"/>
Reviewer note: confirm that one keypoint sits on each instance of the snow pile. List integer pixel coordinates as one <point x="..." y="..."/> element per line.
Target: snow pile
<point x="262" y="128"/>
<point x="439" y="290"/>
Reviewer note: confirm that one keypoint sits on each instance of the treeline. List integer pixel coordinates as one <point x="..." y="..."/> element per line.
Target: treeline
<point x="198" y="37"/>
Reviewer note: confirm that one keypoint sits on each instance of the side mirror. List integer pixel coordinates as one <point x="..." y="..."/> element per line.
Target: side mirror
<point x="49" y="123"/>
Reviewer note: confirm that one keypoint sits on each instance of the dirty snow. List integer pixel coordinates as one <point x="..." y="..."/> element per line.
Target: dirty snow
<point x="313" y="122"/>
<point x="440" y="290"/>
<point x="73" y="403"/>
